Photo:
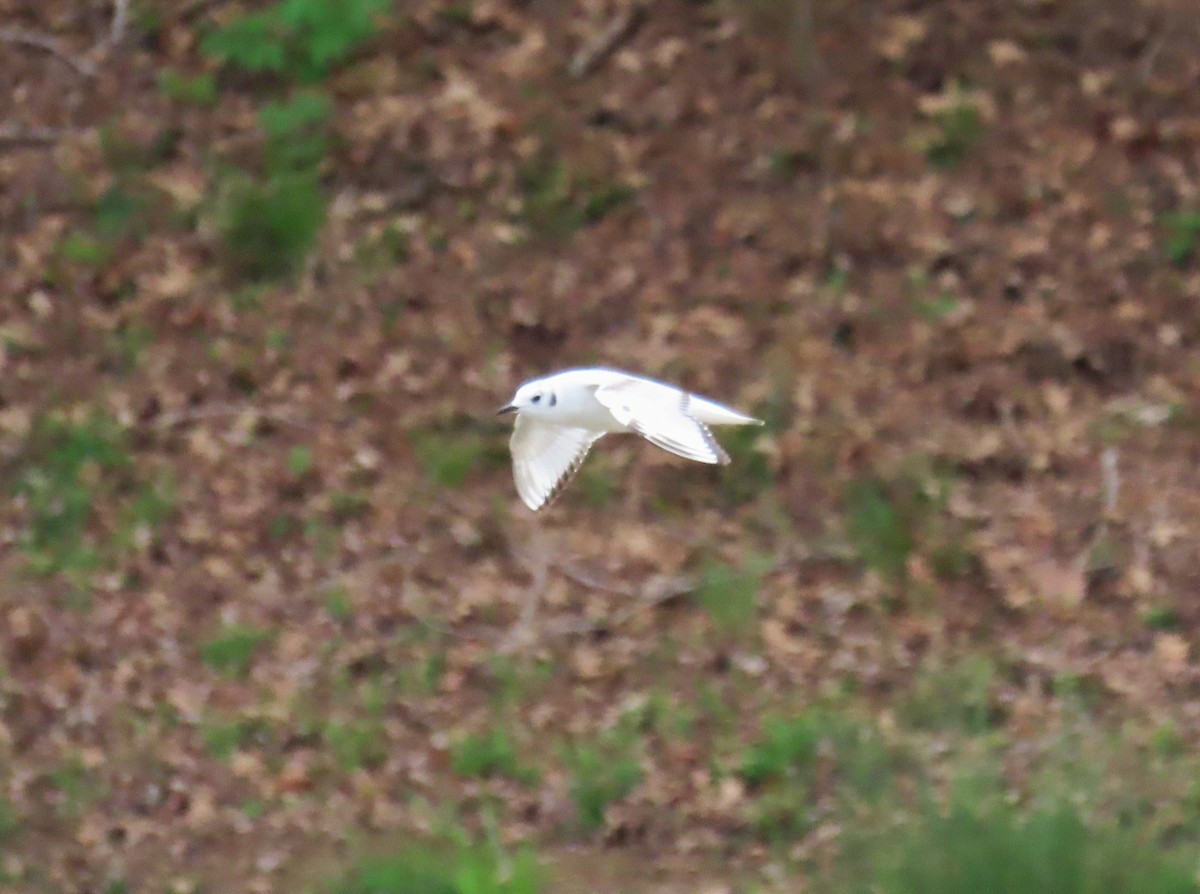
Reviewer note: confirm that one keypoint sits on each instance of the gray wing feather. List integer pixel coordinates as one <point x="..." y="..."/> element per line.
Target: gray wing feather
<point x="659" y="414"/>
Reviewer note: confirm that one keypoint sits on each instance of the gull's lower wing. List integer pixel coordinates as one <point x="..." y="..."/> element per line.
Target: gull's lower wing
<point x="545" y="457"/>
<point x="659" y="413"/>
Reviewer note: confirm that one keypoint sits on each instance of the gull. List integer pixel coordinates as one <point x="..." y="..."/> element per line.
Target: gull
<point x="560" y="417"/>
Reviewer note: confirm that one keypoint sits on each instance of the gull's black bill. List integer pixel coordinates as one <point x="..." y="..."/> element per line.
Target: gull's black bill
<point x="508" y="409"/>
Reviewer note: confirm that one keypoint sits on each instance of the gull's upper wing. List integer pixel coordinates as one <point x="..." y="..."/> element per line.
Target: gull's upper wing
<point x="659" y="413"/>
<point x="545" y="456"/>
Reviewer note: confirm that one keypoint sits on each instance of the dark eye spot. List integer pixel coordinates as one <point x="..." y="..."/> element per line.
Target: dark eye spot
<point x="537" y="398"/>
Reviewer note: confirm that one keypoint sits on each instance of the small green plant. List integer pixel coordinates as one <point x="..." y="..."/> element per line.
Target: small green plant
<point x="10" y="820"/>
<point x="951" y="696"/>
<point x="821" y="751"/>
<point x="338" y="605"/>
<point x="300" y="39"/>
<point x="991" y="847"/>
<point x="730" y="595"/>
<point x="448" y="457"/>
<point x="356" y="743"/>
<point x="86" y="250"/>
<point x="555" y="203"/>
<point x="200" y="90"/>
<point x="77" y="787"/>
<point x="300" y="460"/>
<point x="890" y="520"/>
<point x="119" y="212"/>
<point x="957" y="128"/>
<point x="490" y="753"/>
<point x="73" y="470"/>
<point x="462" y="869"/>
<point x="788" y="748"/>
<point x="268" y="227"/>
<point x="126" y="343"/>
<point x="937" y="307"/>
<point x="232" y="651"/>
<point x="599" y="778"/>
<point x="222" y="738"/>
<point x="602" y="197"/>
<point x="883" y="537"/>
<point x="597" y="483"/>
<point x="295" y="131"/>
<point x="781" y="769"/>
<point x="1182" y="236"/>
<point x="750" y="472"/>
<point x="1161" y="617"/>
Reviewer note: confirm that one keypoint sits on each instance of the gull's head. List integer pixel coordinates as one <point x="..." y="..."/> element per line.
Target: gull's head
<point x="535" y="398"/>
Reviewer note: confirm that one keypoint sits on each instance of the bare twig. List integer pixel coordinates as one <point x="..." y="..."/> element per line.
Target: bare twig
<point x="120" y="19"/>
<point x="274" y="414"/>
<point x="571" y="571"/>
<point x="16" y="135"/>
<point x="49" y="45"/>
<point x="601" y="46"/>
<point x="654" y="596"/>
<point x="1111" y="481"/>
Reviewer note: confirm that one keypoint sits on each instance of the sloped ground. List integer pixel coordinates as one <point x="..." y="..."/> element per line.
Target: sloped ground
<point x="265" y="564"/>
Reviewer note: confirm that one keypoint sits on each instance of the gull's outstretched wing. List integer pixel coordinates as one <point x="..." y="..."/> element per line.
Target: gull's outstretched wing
<point x="545" y="457"/>
<point x="659" y="413"/>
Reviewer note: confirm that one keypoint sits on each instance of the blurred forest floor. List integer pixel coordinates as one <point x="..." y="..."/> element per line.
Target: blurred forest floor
<point x="268" y="271"/>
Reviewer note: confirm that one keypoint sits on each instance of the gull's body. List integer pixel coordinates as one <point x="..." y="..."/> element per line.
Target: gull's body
<point x="560" y="417"/>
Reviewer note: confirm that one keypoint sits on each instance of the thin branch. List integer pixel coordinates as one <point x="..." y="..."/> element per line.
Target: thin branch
<point x="46" y="44"/>
<point x="16" y="135"/>
<point x="654" y="597"/>
<point x="116" y="31"/>
<point x="602" y="45"/>
<point x="274" y="414"/>
<point x="1110" y="473"/>
<point x="571" y="571"/>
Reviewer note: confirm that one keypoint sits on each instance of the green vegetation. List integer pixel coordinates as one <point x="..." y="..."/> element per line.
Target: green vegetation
<point x="232" y="651"/>
<point x="76" y="785"/>
<point x="451" y="454"/>
<point x="601" y="774"/>
<point x="749" y="472"/>
<point x="200" y="90"/>
<point x="117" y="215"/>
<point x="464" y="869"/>
<point x="1182" y="235"/>
<point x="356" y="743"/>
<point x="556" y="203"/>
<point x="268" y="223"/>
<point x="10" y="821"/>
<point x="883" y="537"/>
<point x="596" y="482"/>
<point x="299" y="460"/>
<point x="956" y="129"/>
<point x="85" y="500"/>
<point x="951" y="697"/>
<point x="299" y="39"/>
<point x="730" y="595"/>
<point x="267" y="227"/>
<point x="891" y="520"/>
<point x="787" y="747"/>
<point x="992" y="847"/>
<point x="295" y="131"/>
<point x="821" y="750"/>
<point x="1161" y="617"/>
<point x="489" y="753"/>
<point x="223" y="737"/>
